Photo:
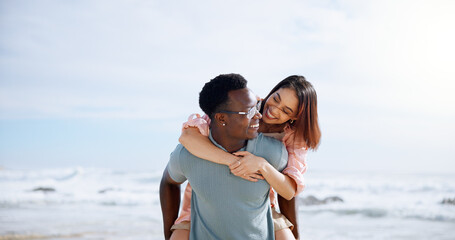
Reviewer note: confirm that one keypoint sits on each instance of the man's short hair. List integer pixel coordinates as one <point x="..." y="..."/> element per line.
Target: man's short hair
<point x="214" y="94"/>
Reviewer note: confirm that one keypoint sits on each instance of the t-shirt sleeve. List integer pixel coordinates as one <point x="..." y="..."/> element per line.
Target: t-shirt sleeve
<point x="174" y="166"/>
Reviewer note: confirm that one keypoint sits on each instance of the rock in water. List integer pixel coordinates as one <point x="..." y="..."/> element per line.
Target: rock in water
<point x="448" y="201"/>
<point x="44" y="189"/>
<point x="312" y="200"/>
<point x="105" y="190"/>
<point x="332" y="199"/>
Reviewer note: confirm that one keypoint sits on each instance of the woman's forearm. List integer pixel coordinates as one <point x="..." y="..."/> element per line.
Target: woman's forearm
<point x="283" y="185"/>
<point x="201" y="146"/>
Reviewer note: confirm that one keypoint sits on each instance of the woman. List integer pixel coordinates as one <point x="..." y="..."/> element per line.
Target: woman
<point x="289" y="113"/>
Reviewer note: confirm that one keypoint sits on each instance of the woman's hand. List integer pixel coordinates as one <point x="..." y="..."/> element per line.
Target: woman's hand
<point x="248" y="166"/>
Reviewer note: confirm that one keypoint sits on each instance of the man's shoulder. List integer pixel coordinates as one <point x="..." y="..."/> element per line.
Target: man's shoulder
<point x="177" y="165"/>
<point x="180" y="152"/>
<point x="262" y="139"/>
<point x="269" y="148"/>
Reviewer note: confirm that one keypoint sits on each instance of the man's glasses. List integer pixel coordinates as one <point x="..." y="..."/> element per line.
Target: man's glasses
<point x="250" y="114"/>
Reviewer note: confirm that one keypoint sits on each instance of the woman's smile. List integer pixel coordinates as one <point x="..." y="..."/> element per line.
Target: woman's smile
<point x="268" y="114"/>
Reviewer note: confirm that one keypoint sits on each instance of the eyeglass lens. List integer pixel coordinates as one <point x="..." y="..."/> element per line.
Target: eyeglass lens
<point x="254" y="110"/>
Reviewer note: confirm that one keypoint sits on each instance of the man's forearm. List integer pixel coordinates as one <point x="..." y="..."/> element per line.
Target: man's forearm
<point x="170" y="203"/>
<point x="289" y="209"/>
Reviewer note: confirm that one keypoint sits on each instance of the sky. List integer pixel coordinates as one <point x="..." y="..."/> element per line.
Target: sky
<point x="107" y="84"/>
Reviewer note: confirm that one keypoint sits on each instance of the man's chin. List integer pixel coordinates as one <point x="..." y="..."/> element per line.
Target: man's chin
<point x="252" y="135"/>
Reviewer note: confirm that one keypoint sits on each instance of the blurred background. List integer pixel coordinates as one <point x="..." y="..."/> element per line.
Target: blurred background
<point x="93" y="95"/>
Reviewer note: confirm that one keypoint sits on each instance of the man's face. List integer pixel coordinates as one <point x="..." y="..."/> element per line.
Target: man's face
<point x="240" y="126"/>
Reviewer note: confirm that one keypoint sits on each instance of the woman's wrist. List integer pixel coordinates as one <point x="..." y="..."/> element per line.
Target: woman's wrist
<point x="263" y="166"/>
<point x="230" y="160"/>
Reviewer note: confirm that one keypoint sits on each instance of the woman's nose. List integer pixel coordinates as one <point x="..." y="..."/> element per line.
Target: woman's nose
<point x="275" y="111"/>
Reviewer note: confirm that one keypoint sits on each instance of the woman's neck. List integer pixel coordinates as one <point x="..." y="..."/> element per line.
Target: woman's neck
<point x="270" y="128"/>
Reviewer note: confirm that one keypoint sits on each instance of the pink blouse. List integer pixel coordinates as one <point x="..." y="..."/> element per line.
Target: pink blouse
<point x="297" y="152"/>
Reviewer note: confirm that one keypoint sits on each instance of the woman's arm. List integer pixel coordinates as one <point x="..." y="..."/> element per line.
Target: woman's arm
<point x="201" y="146"/>
<point x="195" y="139"/>
<point x="283" y="184"/>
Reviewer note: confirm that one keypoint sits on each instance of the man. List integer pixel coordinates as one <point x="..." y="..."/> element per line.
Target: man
<point x="224" y="206"/>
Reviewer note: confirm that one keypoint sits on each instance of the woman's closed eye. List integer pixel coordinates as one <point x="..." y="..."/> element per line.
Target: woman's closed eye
<point x="276" y="99"/>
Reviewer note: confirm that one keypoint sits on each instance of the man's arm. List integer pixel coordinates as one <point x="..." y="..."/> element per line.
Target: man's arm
<point x="170" y="202"/>
<point x="289" y="209"/>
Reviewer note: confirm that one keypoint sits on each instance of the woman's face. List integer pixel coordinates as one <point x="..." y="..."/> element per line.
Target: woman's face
<point x="281" y="107"/>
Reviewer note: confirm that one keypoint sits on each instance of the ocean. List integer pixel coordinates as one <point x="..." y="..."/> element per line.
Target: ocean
<point x="81" y="203"/>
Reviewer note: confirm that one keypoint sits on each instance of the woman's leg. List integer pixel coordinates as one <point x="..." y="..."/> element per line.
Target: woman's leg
<point x="181" y="227"/>
<point x="180" y="234"/>
<point x="284" y="234"/>
<point x="289" y="209"/>
<point x="283" y="227"/>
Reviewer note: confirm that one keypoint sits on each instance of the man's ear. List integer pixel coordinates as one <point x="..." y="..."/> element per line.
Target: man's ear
<point x="220" y="119"/>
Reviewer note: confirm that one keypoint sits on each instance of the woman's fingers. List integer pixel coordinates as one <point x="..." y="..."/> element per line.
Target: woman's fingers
<point x="257" y="176"/>
<point x="242" y="153"/>
<point x="240" y="173"/>
<point x="237" y="172"/>
<point x="249" y="177"/>
<point x="235" y="165"/>
<point x="241" y="168"/>
<point x="253" y="177"/>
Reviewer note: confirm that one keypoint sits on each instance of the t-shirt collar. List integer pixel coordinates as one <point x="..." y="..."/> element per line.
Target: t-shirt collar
<point x="218" y="145"/>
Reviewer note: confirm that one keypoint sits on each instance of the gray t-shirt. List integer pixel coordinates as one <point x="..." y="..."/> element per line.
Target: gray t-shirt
<point x="224" y="206"/>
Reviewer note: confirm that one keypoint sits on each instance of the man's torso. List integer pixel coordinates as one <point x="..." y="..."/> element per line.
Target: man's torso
<point x="225" y="206"/>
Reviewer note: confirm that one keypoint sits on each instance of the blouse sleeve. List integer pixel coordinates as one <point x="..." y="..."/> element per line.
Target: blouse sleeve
<point x="296" y="159"/>
<point x="202" y="123"/>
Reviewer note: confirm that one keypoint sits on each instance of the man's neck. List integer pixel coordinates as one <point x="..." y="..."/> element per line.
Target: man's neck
<point x="231" y="145"/>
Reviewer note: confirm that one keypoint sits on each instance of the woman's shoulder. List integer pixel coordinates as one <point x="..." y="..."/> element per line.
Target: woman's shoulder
<point x="290" y="140"/>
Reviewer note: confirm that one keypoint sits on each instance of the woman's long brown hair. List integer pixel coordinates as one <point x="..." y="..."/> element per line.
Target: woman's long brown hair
<point x="306" y="126"/>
